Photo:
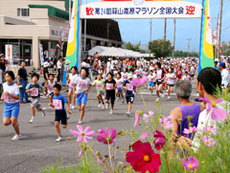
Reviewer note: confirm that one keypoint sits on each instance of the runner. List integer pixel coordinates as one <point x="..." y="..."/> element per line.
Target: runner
<point x="82" y="86"/>
<point x="151" y="80"/>
<point x="34" y="90"/>
<point x="159" y="80"/>
<point x="99" y="83"/>
<point x="11" y="110"/>
<point x="119" y="90"/>
<point x="70" y="82"/>
<point x="58" y="103"/>
<point x="130" y="89"/>
<point x="110" y="86"/>
<point x="49" y="85"/>
<point x="171" y="77"/>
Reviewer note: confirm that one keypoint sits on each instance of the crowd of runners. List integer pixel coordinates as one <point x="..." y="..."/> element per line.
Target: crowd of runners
<point x="112" y="80"/>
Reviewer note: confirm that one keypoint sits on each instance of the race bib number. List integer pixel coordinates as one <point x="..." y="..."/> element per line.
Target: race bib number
<point x="99" y="86"/>
<point x="57" y="104"/>
<point x="109" y="86"/>
<point x="34" y="92"/>
<point x="50" y="88"/>
<point x="119" y="85"/>
<point x="9" y="99"/>
<point x="130" y="87"/>
<point x="82" y="84"/>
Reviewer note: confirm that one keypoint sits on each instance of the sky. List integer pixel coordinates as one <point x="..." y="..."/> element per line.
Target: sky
<point x="138" y="30"/>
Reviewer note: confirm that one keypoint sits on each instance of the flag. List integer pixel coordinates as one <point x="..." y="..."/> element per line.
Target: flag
<point x="206" y="57"/>
<point x="73" y="46"/>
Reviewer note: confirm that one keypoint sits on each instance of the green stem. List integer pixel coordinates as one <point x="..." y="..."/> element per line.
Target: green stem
<point x="110" y="157"/>
<point x="166" y="159"/>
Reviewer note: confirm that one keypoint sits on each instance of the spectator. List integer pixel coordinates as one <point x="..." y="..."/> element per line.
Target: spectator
<point x="224" y="75"/>
<point x="22" y="82"/>
<point x="187" y="113"/>
<point x="46" y="70"/>
<point x="60" y="69"/>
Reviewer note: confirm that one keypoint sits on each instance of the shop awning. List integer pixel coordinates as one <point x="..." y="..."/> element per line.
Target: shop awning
<point x="53" y="11"/>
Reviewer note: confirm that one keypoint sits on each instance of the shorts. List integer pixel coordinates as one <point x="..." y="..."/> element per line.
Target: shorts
<point x="82" y="98"/>
<point x="100" y="92"/>
<point x="192" y="75"/>
<point x="129" y="99"/>
<point x="36" y="103"/>
<point x="11" y="110"/>
<point x="110" y="95"/>
<point x="158" y="82"/>
<point x="170" y="85"/>
<point x="60" y="115"/>
<point x="70" y="88"/>
<point x="150" y="83"/>
<point x="120" y="90"/>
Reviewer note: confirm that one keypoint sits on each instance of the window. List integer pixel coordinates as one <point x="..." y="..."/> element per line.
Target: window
<point x="23" y="12"/>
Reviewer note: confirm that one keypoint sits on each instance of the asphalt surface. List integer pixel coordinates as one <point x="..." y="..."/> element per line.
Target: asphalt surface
<point x="38" y="147"/>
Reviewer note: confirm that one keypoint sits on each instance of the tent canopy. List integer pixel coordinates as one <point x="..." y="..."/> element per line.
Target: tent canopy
<point x="113" y="51"/>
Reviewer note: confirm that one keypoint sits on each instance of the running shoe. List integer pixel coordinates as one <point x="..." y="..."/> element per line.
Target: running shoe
<point x="102" y="106"/>
<point x="16" y="137"/>
<point x="72" y="107"/>
<point x="163" y="95"/>
<point x="31" y="120"/>
<point x="99" y="105"/>
<point x="107" y="106"/>
<point x="80" y="122"/>
<point x="169" y="97"/>
<point x="128" y="113"/>
<point x="111" y="112"/>
<point x="157" y="100"/>
<point x="59" y="139"/>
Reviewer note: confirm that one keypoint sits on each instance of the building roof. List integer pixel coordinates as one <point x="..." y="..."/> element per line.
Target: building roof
<point x="53" y="11"/>
<point x="103" y="28"/>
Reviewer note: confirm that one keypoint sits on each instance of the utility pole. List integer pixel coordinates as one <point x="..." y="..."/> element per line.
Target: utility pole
<point x="151" y="30"/>
<point x="217" y="36"/>
<point x="85" y="24"/>
<point x="174" y="39"/>
<point x="220" y="26"/>
<point x="165" y="29"/>
<point x="189" y="39"/>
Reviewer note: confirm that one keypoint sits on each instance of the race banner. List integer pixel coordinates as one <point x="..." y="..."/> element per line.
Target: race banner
<point x="206" y="57"/>
<point x="138" y="9"/>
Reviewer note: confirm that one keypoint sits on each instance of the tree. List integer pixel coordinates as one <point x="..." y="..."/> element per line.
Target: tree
<point x="134" y="47"/>
<point x="161" y="48"/>
<point x="225" y="47"/>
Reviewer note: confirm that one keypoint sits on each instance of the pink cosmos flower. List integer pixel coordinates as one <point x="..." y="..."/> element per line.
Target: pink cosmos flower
<point x="190" y="130"/>
<point x="208" y="141"/>
<point x="137" y="119"/>
<point x="159" y="140"/>
<point x="166" y="122"/>
<point x="146" y="118"/>
<point x="144" y="135"/>
<point x="191" y="164"/>
<point x="210" y="130"/>
<point x="151" y="113"/>
<point x="217" y="114"/>
<point x="106" y="136"/>
<point x="139" y="81"/>
<point x="82" y="135"/>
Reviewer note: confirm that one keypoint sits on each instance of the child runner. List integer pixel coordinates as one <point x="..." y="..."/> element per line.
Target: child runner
<point x="186" y="76"/>
<point x="159" y="80"/>
<point x="119" y="91"/>
<point x="58" y="103"/>
<point x="99" y="83"/>
<point x="70" y="82"/>
<point x="11" y="110"/>
<point x="82" y="86"/>
<point x="171" y="77"/>
<point x="110" y="86"/>
<point x="49" y="85"/>
<point x="151" y="80"/>
<point x="124" y="74"/>
<point x="34" y="90"/>
<point x="130" y="89"/>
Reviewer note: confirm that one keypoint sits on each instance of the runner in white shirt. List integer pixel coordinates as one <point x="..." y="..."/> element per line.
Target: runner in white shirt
<point x="151" y="80"/>
<point x="11" y="103"/>
<point x="70" y="83"/>
<point x="119" y="90"/>
<point x="124" y="74"/>
<point x="159" y="81"/>
<point x="171" y="77"/>
<point x="186" y="76"/>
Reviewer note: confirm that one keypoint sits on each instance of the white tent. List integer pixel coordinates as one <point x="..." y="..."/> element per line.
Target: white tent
<point x="112" y="51"/>
<point x="98" y="49"/>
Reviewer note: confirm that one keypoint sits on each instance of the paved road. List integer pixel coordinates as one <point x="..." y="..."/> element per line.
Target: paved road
<point x="38" y="148"/>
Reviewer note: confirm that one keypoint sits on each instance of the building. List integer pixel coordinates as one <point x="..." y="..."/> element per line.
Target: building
<point x="28" y="28"/>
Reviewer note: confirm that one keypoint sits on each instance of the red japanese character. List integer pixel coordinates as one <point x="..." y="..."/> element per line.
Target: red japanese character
<point x="89" y="11"/>
<point x="190" y="10"/>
